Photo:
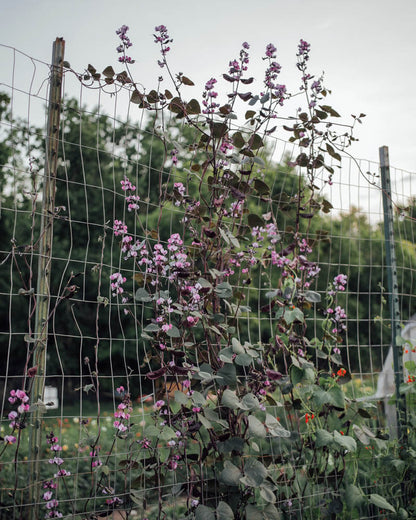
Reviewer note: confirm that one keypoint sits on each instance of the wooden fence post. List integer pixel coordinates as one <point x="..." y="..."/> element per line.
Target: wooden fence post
<point x="44" y="274"/>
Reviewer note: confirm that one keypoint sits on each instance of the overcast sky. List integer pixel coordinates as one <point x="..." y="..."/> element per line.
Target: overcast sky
<point x="366" y="48"/>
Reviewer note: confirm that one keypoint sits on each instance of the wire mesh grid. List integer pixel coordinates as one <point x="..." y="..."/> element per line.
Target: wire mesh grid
<point x="98" y="344"/>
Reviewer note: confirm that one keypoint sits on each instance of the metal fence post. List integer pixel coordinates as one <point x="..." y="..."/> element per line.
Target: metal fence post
<point x="43" y="281"/>
<point x="391" y="267"/>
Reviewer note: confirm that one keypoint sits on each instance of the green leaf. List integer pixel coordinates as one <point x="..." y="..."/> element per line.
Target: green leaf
<point x="259" y="161"/>
<point x="226" y="355"/>
<point x="187" y="81"/>
<point x="243" y="360"/>
<point x="224" y="511"/>
<point x="204" y="513"/>
<point x="173" y="332"/>
<point x="230" y="399"/>
<point x="193" y="107"/>
<point x="198" y="399"/>
<point x="142" y="295"/>
<point x="332" y="152"/>
<point x="330" y="110"/>
<point x="249" y="402"/>
<point x="151" y="431"/>
<point x="219" y="130"/>
<point x="326" y="206"/>
<point x="237" y="346"/>
<point x="255" y="473"/>
<point x="176" y="106"/>
<point x="267" y="494"/>
<point x="361" y="435"/>
<point x="167" y="434"/>
<point x="275" y="428"/>
<point x="255" y="142"/>
<point x="204" y="421"/>
<point x="270" y="512"/>
<point x="296" y="374"/>
<point x="261" y="187"/>
<point x="323" y="438"/>
<point x="380" y="502"/>
<point x="353" y="497"/>
<point x="181" y="398"/>
<point x="252" y="513"/>
<point x="411" y="366"/>
<point x="230" y="475"/>
<point x="224" y="290"/>
<point x="337" y="397"/>
<point x="136" y="97"/>
<point x="205" y="283"/>
<point x="238" y="140"/>
<point x="153" y="96"/>
<point x="256" y="427"/>
<point x="345" y="441"/>
<point x="321" y="114"/>
<point x="364" y="413"/>
<point x="254" y="220"/>
<point x="227" y="375"/>
<point x="293" y="315"/>
<point x="233" y="444"/>
<point x="152" y="327"/>
<point x="108" y="72"/>
<point x="312" y="296"/>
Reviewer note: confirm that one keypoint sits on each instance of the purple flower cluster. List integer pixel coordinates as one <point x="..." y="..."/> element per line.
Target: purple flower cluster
<point x="237" y="67"/>
<point x="16" y="418"/>
<point x="303" y="56"/>
<point x="263" y="238"/>
<point x="95" y="459"/>
<point x="271" y="51"/>
<point x="132" y="199"/>
<point x="117" y="279"/>
<point x="125" y="44"/>
<point x="299" y="263"/>
<point x="174" y="156"/>
<point x="208" y="97"/>
<point x="21" y="395"/>
<point x="51" y="503"/>
<point x="180" y="188"/>
<point x="304" y="49"/>
<point x="226" y="145"/>
<point x="272" y="71"/>
<point x="119" y="227"/>
<point x="340" y="281"/>
<point x="113" y="500"/>
<point x="123" y="412"/>
<point x="163" y="39"/>
<point x="337" y="315"/>
<point x="51" y="485"/>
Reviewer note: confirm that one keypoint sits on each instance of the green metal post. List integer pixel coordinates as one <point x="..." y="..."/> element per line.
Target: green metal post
<point x="391" y="267"/>
<point x="44" y="275"/>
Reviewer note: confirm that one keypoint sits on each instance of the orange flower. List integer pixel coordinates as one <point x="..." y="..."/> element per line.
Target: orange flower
<point x="341" y="372"/>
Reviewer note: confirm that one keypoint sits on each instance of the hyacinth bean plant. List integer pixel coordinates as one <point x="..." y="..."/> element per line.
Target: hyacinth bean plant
<point x="255" y="427"/>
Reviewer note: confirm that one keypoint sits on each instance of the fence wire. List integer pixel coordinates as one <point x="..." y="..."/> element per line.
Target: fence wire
<point x="96" y="344"/>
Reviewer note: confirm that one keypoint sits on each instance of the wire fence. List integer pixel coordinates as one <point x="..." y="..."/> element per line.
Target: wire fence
<point x="97" y="347"/>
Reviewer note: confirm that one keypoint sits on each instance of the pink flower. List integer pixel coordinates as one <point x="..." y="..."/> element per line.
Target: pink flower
<point x="166" y="327"/>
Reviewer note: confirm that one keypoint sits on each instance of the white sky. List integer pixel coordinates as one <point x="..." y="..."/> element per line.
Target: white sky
<point x="366" y="48"/>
